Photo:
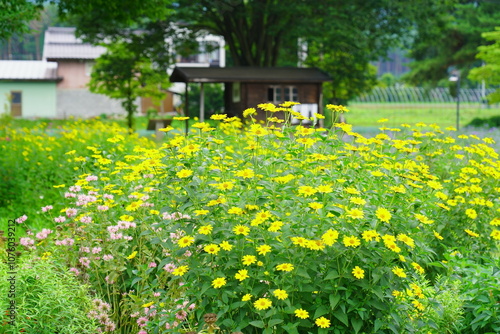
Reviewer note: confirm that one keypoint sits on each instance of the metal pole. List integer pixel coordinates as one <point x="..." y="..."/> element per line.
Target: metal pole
<point x="202" y="103"/>
<point x="186" y="107"/>
<point x="458" y="103"/>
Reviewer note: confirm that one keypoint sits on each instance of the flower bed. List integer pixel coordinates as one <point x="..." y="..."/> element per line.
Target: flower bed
<point x="279" y="229"/>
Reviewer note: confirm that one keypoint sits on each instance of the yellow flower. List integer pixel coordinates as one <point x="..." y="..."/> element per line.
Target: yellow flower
<point x="226" y="246"/>
<point x="383" y="215"/>
<point x="246" y="297"/>
<point x="201" y="212"/>
<point x="398" y="272"/>
<point x="263" y="249"/>
<point x="300" y="313"/>
<point x="471" y="213"/>
<point x="438" y="236"/>
<point x="322" y="322"/>
<point x="315" y="205"/>
<point x="307" y="191"/>
<point x="206" y="229"/>
<point x="241" y="275"/>
<point x="219" y="282"/>
<point x="183" y="173"/>
<point x="418" y="268"/>
<point x="280" y="294"/>
<point x="370" y="235"/>
<point x="185" y="241"/>
<point x="495" y="234"/>
<point x="131" y="256"/>
<point x="330" y="237"/>
<point x="241" y="229"/>
<point x="351" y="241"/>
<point x="471" y="233"/>
<point x="285" y="267"/>
<point x="248" y="260"/>
<point x="180" y="270"/>
<point x="248" y="112"/>
<point x="148" y="304"/>
<point x="235" y="211"/>
<point x="355" y="213"/>
<point x="212" y="249"/>
<point x="262" y="304"/>
<point x="358" y="272"/>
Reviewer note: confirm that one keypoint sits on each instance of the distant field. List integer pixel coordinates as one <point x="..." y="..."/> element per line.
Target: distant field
<point x="442" y="114"/>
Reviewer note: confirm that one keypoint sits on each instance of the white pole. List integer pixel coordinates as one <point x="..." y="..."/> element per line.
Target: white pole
<point x="202" y="103"/>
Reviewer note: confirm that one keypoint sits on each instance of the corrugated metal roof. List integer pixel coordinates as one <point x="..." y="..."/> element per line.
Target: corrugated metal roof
<point x="248" y="74"/>
<point x="28" y="70"/>
<point x="61" y="43"/>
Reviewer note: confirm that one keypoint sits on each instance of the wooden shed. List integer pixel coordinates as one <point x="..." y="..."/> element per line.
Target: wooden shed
<point x="246" y="87"/>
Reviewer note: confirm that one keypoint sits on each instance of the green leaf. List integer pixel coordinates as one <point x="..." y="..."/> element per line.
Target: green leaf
<point x="356" y="324"/>
<point x="274" y="322"/>
<point x="331" y="275"/>
<point x="135" y="280"/>
<point x="322" y="310"/>
<point x="257" y="323"/>
<point x="334" y="300"/>
<point x="339" y="314"/>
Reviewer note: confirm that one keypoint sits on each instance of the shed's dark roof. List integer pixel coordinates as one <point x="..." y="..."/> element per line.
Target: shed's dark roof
<point x="248" y="74"/>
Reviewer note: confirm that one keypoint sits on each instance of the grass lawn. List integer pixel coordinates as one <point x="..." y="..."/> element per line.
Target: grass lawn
<point x="442" y="114"/>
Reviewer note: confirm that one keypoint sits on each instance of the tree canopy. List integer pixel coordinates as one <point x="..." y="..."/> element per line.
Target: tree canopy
<point x="448" y="37"/>
<point x="341" y="37"/>
<point x="490" y="71"/>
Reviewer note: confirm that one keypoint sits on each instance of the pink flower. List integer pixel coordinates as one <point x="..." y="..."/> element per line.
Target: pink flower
<point x="116" y="236"/>
<point x="26" y="242"/>
<point x="170" y="267"/>
<point x="96" y="250"/>
<point x="108" y="196"/>
<point x="91" y="178"/>
<point x="43" y="234"/>
<point x="21" y="219"/>
<point x="71" y="212"/>
<point x="107" y="257"/>
<point x="84" y="249"/>
<point x="75" y="188"/>
<point x="74" y="270"/>
<point x="152" y="265"/>
<point x="60" y="219"/>
<point x="157" y="294"/>
<point x="86" y="219"/>
<point x="181" y="315"/>
<point x="142" y="321"/>
<point x="84" y="261"/>
<point x="142" y="332"/>
<point x="69" y="195"/>
<point x="103" y="208"/>
<point x="47" y="208"/>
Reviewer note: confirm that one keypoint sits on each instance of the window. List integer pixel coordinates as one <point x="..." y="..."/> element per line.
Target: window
<point x="236" y="92"/>
<point x="88" y="68"/>
<point x="279" y="94"/>
<point x="16" y="99"/>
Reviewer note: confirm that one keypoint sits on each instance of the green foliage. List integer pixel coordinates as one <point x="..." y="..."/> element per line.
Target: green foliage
<point x="36" y="157"/>
<point x="124" y="73"/>
<point x="489" y="72"/>
<point x="491" y="122"/>
<point x="214" y="99"/>
<point x="479" y="290"/>
<point x="48" y="299"/>
<point x="448" y="36"/>
<point x="15" y="16"/>
<point x="346" y="231"/>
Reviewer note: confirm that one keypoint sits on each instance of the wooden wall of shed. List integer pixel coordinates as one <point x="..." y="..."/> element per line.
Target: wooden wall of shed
<point x="253" y="94"/>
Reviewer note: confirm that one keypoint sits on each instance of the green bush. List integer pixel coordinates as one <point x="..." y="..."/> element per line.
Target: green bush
<point x="48" y="298"/>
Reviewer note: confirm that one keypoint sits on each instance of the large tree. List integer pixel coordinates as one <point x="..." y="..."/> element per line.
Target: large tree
<point x="15" y="16"/>
<point x="490" y="71"/>
<point x="448" y="36"/>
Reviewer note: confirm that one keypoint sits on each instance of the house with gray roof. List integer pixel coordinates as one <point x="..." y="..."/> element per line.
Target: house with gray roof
<point x="74" y="60"/>
<point x="28" y="88"/>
